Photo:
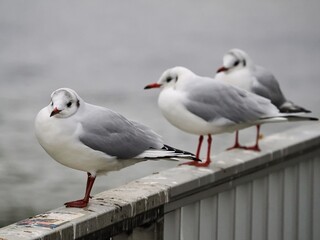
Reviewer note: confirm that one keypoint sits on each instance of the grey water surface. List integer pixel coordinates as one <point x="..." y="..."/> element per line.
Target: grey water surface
<point x="108" y="51"/>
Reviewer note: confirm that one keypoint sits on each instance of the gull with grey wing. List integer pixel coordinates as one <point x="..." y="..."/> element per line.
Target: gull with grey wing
<point x="94" y="139"/>
<point x="206" y="106"/>
<point x="238" y="69"/>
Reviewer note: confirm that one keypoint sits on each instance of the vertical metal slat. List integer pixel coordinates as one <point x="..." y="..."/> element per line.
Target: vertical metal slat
<point x="316" y="199"/>
<point x="208" y="218"/>
<point x="305" y="200"/>
<point x="275" y="206"/>
<point x="243" y="209"/>
<point x="190" y="221"/>
<point x="259" y="209"/>
<point x="226" y="214"/>
<point x="290" y="223"/>
<point x="172" y="225"/>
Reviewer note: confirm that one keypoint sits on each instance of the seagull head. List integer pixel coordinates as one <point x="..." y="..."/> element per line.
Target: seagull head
<point x="64" y="103"/>
<point x="234" y="59"/>
<point x="170" y="78"/>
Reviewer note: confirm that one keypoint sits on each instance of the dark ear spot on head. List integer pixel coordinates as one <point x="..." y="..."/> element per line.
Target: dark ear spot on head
<point x="78" y="103"/>
<point x="244" y="62"/>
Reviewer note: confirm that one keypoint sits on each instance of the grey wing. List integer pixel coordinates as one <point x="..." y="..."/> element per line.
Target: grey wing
<point x="266" y="85"/>
<point x="151" y="137"/>
<point x="113" y="134"/>
<point x="217" y="100"/>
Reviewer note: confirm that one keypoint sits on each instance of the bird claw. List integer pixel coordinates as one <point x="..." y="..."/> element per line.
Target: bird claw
<point x="251" y="148"/>
<point x="254" y="148"/>
<point x="77" y="204"/>
<point x="236" y="146"/>
<point x="197" y="164"/>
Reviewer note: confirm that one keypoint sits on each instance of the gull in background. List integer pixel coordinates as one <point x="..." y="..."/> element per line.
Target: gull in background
<point x="238" y="69"/>
<point x="94" y="139"/>
<point x="206" y="106"/>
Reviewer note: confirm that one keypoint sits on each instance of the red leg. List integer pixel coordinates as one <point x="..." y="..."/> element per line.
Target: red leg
<point x="236" y="143"/>
<point x="256" y="146"/>
<point x="197" y="153"/>
<point x="83" y="202"/>
<point x="208" y="160"/>
<point x="199" y="146"/>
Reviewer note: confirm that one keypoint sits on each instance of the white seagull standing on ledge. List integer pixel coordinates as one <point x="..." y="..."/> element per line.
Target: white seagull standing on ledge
<point x="238" y="69"/>
<point x="206" y="106"/>
<point x="94" y="139"/>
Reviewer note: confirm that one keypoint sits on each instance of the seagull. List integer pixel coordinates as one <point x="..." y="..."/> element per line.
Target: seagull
<point x="94" y="139"/>
<point x="238" y="69"/>
<point x="207" y="106"/>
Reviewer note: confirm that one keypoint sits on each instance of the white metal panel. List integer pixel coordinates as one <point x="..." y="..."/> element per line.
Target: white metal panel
<point x="243" y="209"/>
<point x="226" y="213"/>
<point x="305" y="200"/>
<point x="316" y="199"/>
<point x="172" y="225"/>
<point x="190" y="215"/>
<point x="122" y="236"/>
<point x="138" y="233"/>
<point x="259" y="209"/>
<point x="290" y="214"/>
<point x="283" y="205"/>
<point x="208" y="218"/>
<point x="275" y="206"/>
<point x="143" y="233"/>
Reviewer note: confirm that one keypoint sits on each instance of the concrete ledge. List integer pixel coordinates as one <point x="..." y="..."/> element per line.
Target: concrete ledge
<point x="146" y="200"/>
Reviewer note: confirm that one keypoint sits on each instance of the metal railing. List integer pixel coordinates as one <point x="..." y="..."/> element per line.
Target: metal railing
<point x="274" y="194"/>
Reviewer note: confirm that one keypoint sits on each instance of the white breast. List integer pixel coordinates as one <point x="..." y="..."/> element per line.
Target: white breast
<point x="59" y="139"/>
<point x="171" y="104"/>
<point x="241" y="78"/>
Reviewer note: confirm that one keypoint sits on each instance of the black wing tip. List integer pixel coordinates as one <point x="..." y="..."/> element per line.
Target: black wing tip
<point x="196" y="159"/>
<point x="288" y="110"/>
<point x="192" y="156"/>
<point x="292" y="108"/>
<point x="313" y="119"/>
<point x="293" y="117"/>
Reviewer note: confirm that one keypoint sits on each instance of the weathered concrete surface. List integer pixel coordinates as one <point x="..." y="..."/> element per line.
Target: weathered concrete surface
<point x="146" y="200"/>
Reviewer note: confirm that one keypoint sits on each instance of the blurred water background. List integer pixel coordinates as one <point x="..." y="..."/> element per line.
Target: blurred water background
<point x="108" y="51"/>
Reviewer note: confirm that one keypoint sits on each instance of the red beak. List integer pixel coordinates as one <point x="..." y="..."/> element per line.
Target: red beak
<point x="55" y="111"/>
<point x="222" y="69"/>
<point x="152" y="85"/>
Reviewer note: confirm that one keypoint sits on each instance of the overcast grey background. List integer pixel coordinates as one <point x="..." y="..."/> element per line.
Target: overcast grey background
<point x="108" y="51"/>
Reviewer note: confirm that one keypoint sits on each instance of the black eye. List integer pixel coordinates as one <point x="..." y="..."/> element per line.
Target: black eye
<point x="236" y="63"/>
<point x="69" y="104"/>
<point x="168" y="79"/>
<point x="51" y="103"/>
